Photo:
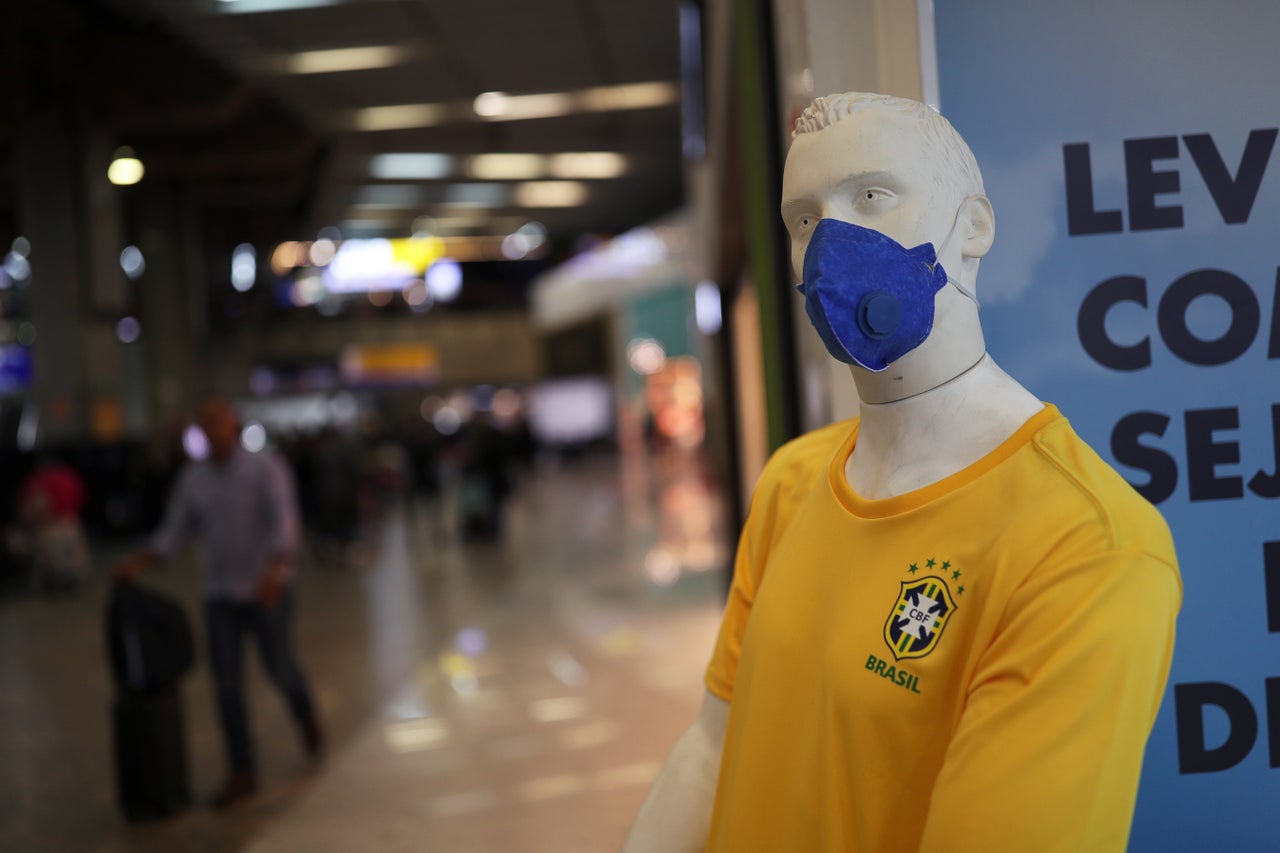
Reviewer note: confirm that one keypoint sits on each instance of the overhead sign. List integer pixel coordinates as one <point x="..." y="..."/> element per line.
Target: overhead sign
<point x="390" y="364"/>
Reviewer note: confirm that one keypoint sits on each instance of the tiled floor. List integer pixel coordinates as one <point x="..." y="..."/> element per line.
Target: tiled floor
<point x="509" y="697"/>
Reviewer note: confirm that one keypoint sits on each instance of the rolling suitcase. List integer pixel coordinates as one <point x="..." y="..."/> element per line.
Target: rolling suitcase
<point x="149" y="647"/>
<point x="151" y="754"/>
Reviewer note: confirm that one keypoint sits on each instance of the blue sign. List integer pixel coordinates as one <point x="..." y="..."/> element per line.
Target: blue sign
<point x="15" y="368"/>
<point x="1129" y="151"/>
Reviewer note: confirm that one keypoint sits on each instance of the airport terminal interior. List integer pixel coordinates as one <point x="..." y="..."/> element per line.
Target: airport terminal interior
<point x="444" y="261"/>
<point x="385" y="386"/>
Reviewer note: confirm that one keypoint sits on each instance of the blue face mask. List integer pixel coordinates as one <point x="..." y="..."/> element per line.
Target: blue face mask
<point x="870" y="297"/>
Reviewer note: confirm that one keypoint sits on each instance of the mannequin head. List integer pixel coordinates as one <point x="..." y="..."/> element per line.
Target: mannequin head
<point x="954" y="164"/>
<point x="897" y="167"/>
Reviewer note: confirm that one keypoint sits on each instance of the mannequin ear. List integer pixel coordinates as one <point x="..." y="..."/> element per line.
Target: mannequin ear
<point x="979" y="223"/>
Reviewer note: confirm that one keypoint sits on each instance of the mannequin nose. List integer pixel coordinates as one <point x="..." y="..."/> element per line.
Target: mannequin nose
<point x="879" y="314"/>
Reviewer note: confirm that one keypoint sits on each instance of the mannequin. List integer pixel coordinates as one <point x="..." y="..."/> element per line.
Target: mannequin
<point x="929" y="643"/>
<point x="875" y="169"/>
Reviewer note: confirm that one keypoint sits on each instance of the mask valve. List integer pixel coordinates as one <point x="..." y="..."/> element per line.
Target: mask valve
<point x="879" y="314"/>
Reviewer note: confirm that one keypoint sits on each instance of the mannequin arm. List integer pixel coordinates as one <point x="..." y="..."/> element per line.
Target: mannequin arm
<point x="676" y="814"/>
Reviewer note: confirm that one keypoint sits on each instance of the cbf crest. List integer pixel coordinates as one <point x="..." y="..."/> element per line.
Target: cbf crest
<point x="919" y="616"/>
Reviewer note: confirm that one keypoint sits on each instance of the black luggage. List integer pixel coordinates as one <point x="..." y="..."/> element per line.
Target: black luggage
<point x="150" y="648"/>
<point x="151" y="754"/>
<point x="148" y="639"/>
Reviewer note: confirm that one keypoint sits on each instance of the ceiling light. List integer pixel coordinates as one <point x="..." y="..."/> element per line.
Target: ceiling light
<point x="253" y="437"/>
<point x="514" y="247"/>
<point x="444" y="279"/>
<point x="244" y="267"/>
<point x="550" y="194"/>
<point x="489" y="104"/>
<point x="499" y="167"/>
<point x="706" y="307"/>
<point x="128" y="330"/>
<point x="322" y="252"/>
<point x="630" y="96"/>
<point x="534" y="230"/>
<point x="132" y="262"/>
<point x="125" y="169"/>
<point x="362" y="265"/>
<point x="343" y="59"/>
<point x="242" y="7"/>
<point x="16" y="267"/>
<point x="399" y="116"/>
<point x="407" y="167"/>
<point x="499" y="105"/>
<point x="527" y="238"/>
<point x="587" y="164"/>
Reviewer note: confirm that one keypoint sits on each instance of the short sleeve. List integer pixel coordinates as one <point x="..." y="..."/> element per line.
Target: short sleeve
<point x="791" y="473"/>
<point x="723" y="670"/>
<point x="760" y="529"/>
<point x="1048" y="750"/>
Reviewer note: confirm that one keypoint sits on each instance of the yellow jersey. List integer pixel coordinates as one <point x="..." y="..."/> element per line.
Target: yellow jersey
<point x="972" y="666"/>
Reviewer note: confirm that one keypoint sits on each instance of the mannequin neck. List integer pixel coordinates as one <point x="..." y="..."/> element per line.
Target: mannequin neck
<point x="914" y="441"/>
<point x="953" y="347"/>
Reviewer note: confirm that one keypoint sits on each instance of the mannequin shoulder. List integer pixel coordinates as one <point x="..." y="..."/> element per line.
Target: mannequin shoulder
<point x="804" y="458"/>
<point x="813" y="449"/>
<point x="1128" y="519"/>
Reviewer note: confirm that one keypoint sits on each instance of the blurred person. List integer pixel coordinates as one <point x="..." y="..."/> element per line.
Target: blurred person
<point x="335" y="473"/>
<point x="485" y="479"/>
<point x="424" y="453"/>
<point x="524" y="446"/>
<point x="51" y="501"/>
<point x="425" y="446"/>
<point x="243" y="508"/>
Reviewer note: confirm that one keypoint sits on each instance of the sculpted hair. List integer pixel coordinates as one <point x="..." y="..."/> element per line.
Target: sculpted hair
<point x="958" y="169"/>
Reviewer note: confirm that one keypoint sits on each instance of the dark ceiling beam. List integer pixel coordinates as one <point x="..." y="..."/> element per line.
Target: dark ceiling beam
<point x="229" y="108"/>
<point x="212" y="162"/>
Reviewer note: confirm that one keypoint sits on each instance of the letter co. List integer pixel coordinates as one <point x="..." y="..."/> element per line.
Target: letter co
<point x="1171" y="320"/>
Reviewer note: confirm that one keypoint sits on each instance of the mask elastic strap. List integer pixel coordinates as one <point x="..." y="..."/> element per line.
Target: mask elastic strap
<point x="938" y="256"/>
<point x="966" y="291"/>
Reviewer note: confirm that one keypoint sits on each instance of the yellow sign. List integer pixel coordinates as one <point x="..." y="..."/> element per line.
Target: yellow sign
<point x="417" y="253"/>
<point x="383" y="364"/>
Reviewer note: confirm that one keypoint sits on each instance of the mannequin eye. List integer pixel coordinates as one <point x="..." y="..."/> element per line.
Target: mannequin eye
<point x="872" y="195"/>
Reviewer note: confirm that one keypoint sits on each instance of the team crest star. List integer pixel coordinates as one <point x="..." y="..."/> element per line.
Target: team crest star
<point x="914" y="568"/>
<point x="960" y="590"/>
<point x="946" y="564"/>
<point x="955" y="575"/>
<point x="930" y="562"/>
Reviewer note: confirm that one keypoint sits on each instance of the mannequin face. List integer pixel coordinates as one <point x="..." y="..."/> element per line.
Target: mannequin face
<point x="871" y="169"/>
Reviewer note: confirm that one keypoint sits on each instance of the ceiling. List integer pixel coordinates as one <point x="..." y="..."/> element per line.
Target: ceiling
<point x="297" y="123"/>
